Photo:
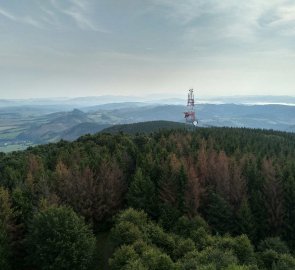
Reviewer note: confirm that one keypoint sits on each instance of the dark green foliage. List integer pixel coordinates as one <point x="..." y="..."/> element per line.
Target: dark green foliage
<point x="245" y="220"/>
<point x="218" y="257"/>
<point x="185" y="226"/>
<point x="123" y="256"/>
<point x="161" y="239"/>
<point x="153" y="258"/>
<point x="181" y="184"/>
<point x="151" y="247"/>
<point x="219" y="214"/>
<point x="274" y="243"/>
<point x="6" y="216"/>
<point x="244" y="250"/>
<point x="239" y="267"/>
<point x="136" y="217"/>
<point x="59" y="239"/>
<point x="240" y="246"/>
<point x="289" y="205"/>
<point x="202" y="238"/>
<point x="239" y="181"/>
<point x="155" y="248"/>
<point x="182" y="247"/>
<point x="4" y="249"/>
<point x="23" y="206"/>
<point x="141" y="193"/>
<point x="147" y="257"/>
<point x="285" y="262"/>
<point x="268" y="259"/>
<point x="145" y="127"/>
<point x="126" y="233"/>
<point x="168" y="215"/>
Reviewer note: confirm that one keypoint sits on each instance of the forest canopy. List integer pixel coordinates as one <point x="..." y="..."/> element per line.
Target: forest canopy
<point x="212" y="198"/>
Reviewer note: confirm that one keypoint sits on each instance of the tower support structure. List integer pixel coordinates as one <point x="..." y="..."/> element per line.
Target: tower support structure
<point x="190" y="113"/>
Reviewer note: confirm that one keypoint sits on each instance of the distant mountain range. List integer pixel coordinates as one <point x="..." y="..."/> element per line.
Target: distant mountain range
<point x="29" y="125"/>
<point x="71" y="125"/>
<point x="82" y="102"/>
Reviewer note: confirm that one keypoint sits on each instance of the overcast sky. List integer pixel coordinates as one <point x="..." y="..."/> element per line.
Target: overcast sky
<point x="138" y="47"/>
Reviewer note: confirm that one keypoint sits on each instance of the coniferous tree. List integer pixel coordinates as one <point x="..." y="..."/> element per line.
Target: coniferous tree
<point x="5" y="227"/>
<point x="141" y="193"/>
<point x="289" y="203"/>
<point x="181" y="183"/>
<point x="273" y="197"/>
<point x="4" y="249"/>
<point x="245" y="220"/>
<point x="219" y="214"/>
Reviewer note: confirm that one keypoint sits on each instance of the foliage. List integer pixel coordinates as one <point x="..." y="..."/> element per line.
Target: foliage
<point x="141" y="193"/>
<point x="155" y="248"/>
<point x="4" y="249"/>
<point x="221" y="191"/>
<point x="5" y="226"/>
<point x="273" y="243"/>
<point x="59" y="239"/>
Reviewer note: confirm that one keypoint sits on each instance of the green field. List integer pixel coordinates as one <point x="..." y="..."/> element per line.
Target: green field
<point x="8" y="135"/>
<point x="14" y="147"/>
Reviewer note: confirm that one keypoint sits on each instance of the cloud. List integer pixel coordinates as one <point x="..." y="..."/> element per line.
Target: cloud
<point x="27" y="19"/>
<point x="284" y="19"/>
<point x="79" y="12"/>
<point x="80" y="4"/>
<point x="82" y="22"/>
<point x="230" y="24"/>
<point x="7" y="15"/>
<point x="53" y="14"/>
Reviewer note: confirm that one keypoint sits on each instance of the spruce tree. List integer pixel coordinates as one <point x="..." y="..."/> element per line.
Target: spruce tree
<point x="219" y="214"/>
<point x="141" y="194"/>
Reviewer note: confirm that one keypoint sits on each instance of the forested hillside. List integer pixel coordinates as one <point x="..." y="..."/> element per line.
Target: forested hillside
<point x="144" y="127"/>
<point x="211" y="198"/>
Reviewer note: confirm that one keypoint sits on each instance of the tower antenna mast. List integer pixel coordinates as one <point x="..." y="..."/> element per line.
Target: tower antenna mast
<point x="190" y="113"/>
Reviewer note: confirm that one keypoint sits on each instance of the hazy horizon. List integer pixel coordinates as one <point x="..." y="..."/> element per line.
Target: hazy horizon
<point x="182" y="96"/>
<point x="72" y="48"/>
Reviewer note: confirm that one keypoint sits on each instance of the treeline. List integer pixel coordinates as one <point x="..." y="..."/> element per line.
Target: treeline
<point x="241" y="181"/>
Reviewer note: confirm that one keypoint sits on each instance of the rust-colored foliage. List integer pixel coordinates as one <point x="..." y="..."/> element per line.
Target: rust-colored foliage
<point x="94" y="195"/>
<point x="194" y="189"/>
<point x="222" y="174"/>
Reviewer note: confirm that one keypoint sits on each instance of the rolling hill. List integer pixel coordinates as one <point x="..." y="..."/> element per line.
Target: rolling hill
<point x="81" y="129"/>
<point x="144" y="127"/>
<point x="54" y="126"/>
<point x="27" y="127"/>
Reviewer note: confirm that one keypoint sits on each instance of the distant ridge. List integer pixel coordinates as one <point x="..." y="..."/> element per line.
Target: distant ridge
<point x="144" y="127"/>
<point x="81" y="129"/>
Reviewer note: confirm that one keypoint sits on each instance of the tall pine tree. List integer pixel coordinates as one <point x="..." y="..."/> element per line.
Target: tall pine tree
<point x="141" y="193"/>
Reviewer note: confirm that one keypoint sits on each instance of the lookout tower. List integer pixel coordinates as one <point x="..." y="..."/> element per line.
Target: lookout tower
<point x="190" y="113"/>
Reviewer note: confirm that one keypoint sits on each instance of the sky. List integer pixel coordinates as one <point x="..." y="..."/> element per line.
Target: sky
<point x="71" y="48"/>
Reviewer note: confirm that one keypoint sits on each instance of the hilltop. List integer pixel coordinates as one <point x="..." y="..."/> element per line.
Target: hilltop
<point x="144" y="127"/>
